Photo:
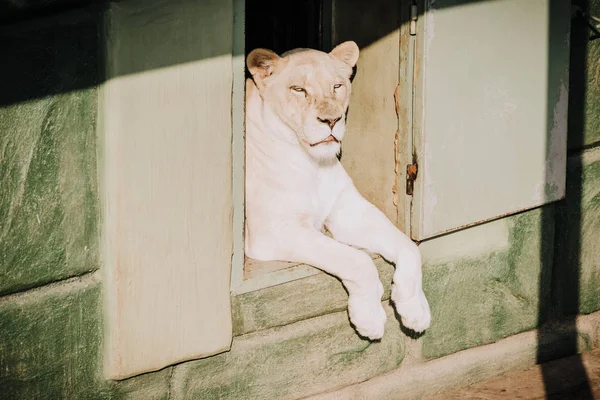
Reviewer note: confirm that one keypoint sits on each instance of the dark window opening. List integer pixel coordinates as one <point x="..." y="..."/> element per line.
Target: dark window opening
<point x="284" y="25"/>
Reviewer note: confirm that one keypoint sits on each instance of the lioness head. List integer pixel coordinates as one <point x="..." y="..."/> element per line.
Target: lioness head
<point x="309" y="91"/>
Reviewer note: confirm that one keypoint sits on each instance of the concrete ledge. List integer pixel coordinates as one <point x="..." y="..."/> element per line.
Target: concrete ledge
<point x="573" y="377"/>
<point x="292" y="361"/>
<point x="296" y="301"/>
<point x="415" y="380"/>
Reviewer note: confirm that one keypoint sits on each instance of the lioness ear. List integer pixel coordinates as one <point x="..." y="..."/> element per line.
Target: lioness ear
<point x="347" y="52"/>
<point x="261" y="64"/>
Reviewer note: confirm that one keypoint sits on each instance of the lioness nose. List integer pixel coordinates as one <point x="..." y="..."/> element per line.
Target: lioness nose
<point x="330" y="122"/>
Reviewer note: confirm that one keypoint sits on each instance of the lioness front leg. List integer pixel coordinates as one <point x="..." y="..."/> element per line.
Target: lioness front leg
<point x="356" y="270"/>
<point x="357" y="222"/>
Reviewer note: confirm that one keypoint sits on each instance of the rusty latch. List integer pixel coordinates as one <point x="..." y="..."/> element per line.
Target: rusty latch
<point x="411" y="175"/>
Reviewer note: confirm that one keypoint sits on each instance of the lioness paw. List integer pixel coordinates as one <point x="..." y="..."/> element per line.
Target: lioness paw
<point x="414" y="311"/>
<point x="367" y="315"/>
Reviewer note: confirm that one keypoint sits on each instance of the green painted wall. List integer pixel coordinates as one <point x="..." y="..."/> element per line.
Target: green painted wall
<point x="484" y="283"/>
<point x="584" y="121"/>
<point x="577" y="272"/>
<point x="48" y="201"/>
<point x="485" y="295"/>
<point x="51" y="347"/>
<point x="576" y="276"/>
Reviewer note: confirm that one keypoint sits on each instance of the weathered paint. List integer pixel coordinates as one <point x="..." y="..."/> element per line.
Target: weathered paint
<point x="290" y="362"/>
<point x="166" y="183"/>
<point x="405" y="109"/>
<point x="372" y="120"/>
<point x="489" y="138"/>
<point x="238" y="148"/>
<point x="556" y="158"/>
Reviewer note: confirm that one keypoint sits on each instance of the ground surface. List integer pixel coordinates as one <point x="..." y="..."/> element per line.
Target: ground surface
<point x="576" y="377"/>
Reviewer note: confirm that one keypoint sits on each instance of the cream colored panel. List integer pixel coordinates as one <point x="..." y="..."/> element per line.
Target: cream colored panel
<point x="491" y="110"/>
<point x="165" y="135"/>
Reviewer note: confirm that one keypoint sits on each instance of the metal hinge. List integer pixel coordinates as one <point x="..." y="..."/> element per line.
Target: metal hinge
<point x="413" y="18"/>
<point x="411" y="176"/>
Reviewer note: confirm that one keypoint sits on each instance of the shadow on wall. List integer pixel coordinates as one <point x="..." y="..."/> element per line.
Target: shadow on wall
<point x="55" y="43"/>
<point x="564" y="304"/>
<point x="55" y="46"/>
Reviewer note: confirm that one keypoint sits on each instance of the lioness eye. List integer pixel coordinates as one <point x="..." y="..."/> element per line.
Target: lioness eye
<point x="297" y="89"/>
<point x="337" y="86"/>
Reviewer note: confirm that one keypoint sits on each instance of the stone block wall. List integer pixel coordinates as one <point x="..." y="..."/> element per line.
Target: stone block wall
<point x="490" y="286"/>
<point x="50" y="311"/>
<point x="48" y="201"/>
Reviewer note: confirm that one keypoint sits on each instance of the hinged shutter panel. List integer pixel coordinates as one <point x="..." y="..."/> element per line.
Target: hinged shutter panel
<point x="491" y="110"/>
<point x="166" y="182"/>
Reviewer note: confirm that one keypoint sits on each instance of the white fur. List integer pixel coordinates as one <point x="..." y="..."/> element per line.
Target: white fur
<point x="293" y="189"/>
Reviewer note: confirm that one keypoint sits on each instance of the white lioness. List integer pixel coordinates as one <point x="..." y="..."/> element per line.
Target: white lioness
<point x="295" y="186"/>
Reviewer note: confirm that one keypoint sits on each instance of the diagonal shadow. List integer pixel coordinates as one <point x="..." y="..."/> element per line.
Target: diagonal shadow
<point x="564" y="280"/>
<point x="57" y="46"/>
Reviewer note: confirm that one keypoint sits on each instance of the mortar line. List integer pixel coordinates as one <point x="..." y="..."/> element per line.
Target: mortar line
<point x="170" y="386"/>
<point x="80" y="280"/>
<point x="581" y="150"/>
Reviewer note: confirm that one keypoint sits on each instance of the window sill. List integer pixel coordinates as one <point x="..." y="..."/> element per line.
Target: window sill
<point x="294" y="299"/>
